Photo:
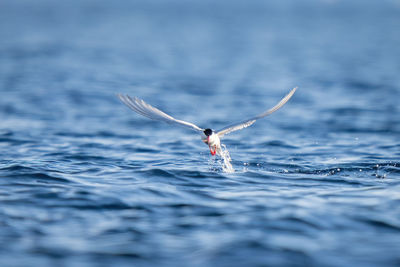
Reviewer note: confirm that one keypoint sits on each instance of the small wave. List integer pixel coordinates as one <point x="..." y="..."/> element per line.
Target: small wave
<point x="17" y="168"/>
<point x="277" y="143"/>
<point x="381" y="223"/>
<point x="19" y="178"/>
<point x="157" y="172"/>
<point x="13" y="141"/>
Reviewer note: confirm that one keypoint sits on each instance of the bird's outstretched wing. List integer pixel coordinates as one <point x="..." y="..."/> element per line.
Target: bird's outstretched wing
<point x="248" y="122"/>
<point x="141" y="107"/>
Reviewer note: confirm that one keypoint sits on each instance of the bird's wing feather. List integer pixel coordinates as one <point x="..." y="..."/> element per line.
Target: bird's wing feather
<point x="248" y="122"/>
<point x="145" y="109"/>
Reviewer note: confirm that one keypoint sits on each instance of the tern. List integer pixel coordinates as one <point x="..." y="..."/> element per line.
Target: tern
<point x="208" y="136"/>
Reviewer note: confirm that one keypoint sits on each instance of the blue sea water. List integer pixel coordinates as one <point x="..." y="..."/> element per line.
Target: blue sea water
<point x="84" y="181"/>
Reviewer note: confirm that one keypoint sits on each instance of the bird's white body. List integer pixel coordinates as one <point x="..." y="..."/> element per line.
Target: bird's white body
<point x="210" y="137"/>
<point x="213" y="142"/>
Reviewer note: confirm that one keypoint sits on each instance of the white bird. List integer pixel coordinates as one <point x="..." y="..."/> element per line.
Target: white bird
<point x="208" y="136"/>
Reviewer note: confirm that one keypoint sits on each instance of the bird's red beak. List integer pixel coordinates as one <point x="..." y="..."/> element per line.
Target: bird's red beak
<point x="213" y="152"/>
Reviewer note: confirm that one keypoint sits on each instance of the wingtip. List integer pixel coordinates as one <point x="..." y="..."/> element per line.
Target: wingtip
<point x="291" y="93"/>
<point x="125" y="97"/>
<point x="120" y="96"/>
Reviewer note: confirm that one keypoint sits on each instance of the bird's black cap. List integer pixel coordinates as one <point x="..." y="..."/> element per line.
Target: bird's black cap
<point x="207" y="132"/>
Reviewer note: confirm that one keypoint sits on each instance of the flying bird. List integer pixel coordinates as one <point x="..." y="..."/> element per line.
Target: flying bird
<point x="208" y="136"/>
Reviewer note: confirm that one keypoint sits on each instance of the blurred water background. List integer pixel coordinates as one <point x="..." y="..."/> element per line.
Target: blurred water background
<point x="86" y="182"/>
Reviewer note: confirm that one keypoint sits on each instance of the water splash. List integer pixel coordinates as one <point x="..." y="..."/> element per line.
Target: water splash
<point x="226" y="160"/>
<point x="221" y="163"/>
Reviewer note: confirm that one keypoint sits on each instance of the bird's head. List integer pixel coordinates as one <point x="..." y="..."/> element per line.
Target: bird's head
<point x="208" y="132"/>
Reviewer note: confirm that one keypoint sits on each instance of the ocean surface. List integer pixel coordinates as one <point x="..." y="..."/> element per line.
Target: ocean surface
<point x="84" y="181"/>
